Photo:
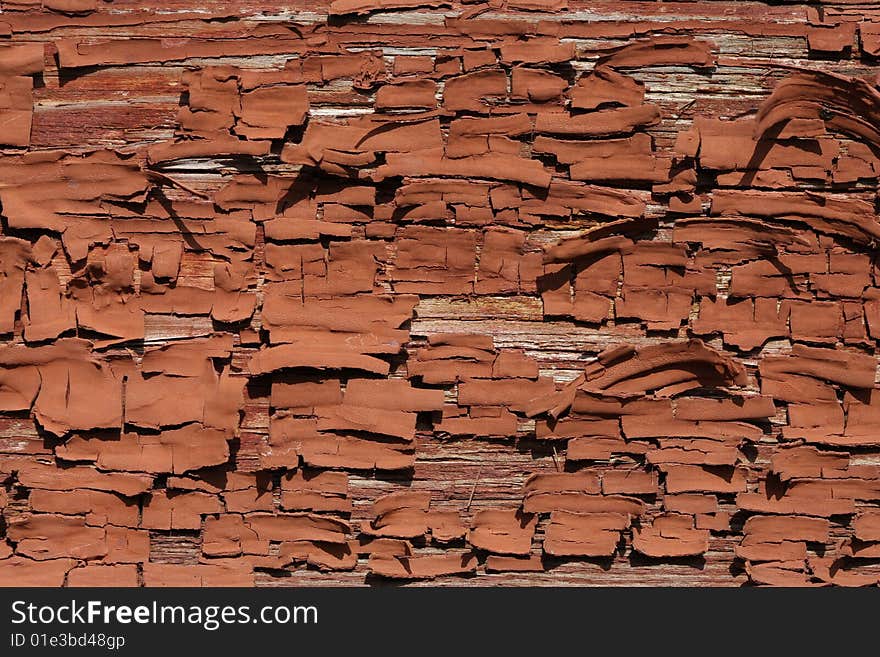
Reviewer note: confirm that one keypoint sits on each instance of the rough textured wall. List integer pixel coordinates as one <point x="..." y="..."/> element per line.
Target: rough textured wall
<point x="526" y="292"/>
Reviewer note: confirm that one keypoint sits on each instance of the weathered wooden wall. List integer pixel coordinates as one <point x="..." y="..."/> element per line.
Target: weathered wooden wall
<point x="356" y="180"/>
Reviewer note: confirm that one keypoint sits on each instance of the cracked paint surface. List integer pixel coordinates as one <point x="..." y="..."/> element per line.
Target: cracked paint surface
<point x="527" y="292"/>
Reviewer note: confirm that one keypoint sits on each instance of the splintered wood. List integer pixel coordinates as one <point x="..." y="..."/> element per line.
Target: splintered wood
<point x="527" y="292"/>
